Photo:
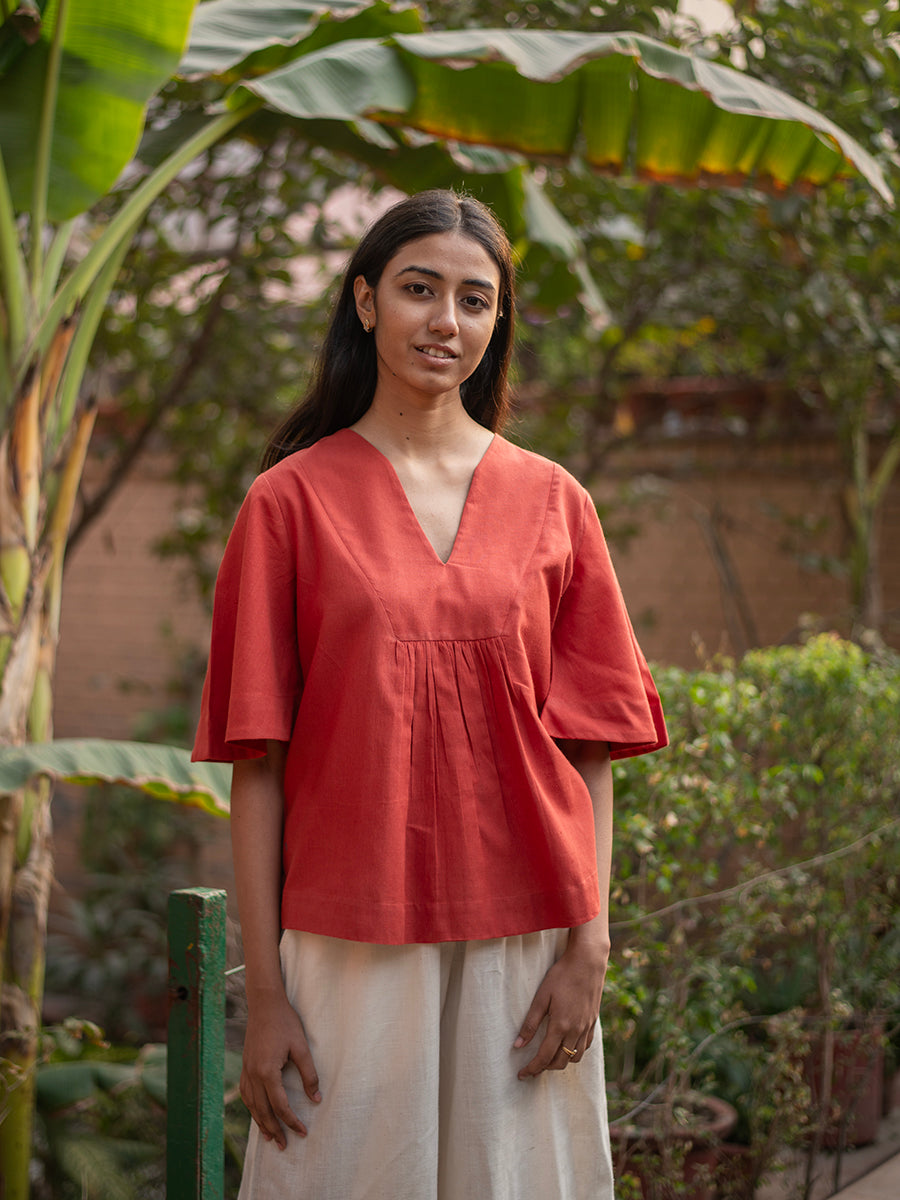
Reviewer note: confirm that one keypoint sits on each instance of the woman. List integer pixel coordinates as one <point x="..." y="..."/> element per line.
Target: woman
<point x="421" y="667"/>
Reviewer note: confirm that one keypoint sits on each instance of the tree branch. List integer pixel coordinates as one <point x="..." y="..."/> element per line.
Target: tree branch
<point x="196" y="354"/>
<point x="743" y="630"/>
<point x="739" y="888"/>
<point x="644" y="302"/>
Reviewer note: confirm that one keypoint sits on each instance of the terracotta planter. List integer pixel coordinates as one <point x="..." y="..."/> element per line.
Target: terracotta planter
<point x="891" y="1089"/>
<point x="669" y="1157"/>
<point x="737" y="1172"/>
<point x="857" y="1084"/>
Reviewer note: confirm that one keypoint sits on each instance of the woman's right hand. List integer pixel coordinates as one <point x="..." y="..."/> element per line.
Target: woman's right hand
<point x="275" y="1037"/>
<point x="274" y="1034"/>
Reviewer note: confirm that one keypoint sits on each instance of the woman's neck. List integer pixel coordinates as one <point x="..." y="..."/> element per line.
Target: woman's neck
<point x="402" y="429"/>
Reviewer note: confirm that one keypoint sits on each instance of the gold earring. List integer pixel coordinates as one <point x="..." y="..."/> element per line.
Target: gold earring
<point x="366" y="326"/>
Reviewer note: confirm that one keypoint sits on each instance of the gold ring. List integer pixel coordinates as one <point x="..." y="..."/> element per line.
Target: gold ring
<point x="571" y="1053"/>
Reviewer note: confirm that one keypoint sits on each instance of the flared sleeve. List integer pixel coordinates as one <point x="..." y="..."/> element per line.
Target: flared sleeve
<point x="253" y="681"/>
<point x="601" y="688"/>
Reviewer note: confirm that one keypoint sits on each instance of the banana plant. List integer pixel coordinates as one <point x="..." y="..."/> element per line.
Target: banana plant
<point x="366" y="79"/>
<point x="163" y="772"/>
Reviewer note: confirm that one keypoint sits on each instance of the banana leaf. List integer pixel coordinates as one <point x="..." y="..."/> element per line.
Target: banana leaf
<point x="165" y="772"/>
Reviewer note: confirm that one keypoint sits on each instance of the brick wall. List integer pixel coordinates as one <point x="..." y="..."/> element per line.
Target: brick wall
<point x="126" y="615"/>
<point x="129" y="620"/>
<point x="776" y="517"/>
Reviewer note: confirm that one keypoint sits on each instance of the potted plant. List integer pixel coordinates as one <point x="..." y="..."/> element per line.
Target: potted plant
<point x="672" y="992"/>
<point x="753" y="912"/>
<point x="825" y="757"/>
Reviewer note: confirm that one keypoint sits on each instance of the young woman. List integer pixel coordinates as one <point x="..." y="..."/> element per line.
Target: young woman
<point x="421" y="667"/>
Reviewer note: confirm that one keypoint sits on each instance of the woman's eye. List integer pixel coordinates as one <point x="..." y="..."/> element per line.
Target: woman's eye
<point x="418" y="289"/>
<point x="478" y="302"/>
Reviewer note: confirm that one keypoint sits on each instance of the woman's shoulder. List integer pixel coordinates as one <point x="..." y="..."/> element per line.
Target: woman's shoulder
<point x="537" y="468"/>
<point x="302" y="466"/>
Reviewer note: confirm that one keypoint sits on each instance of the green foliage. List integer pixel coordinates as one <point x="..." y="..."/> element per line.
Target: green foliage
<point x="214" y="322"/>
<point x="754" y="859"/>
<point x="102" y="1121"/>
<point x="800" y="292"/>
<point x="639" y="16"/>
<point x="109" y="64"/>
<point x="108" y="952"/>
<point x="829" y="779"/>
<point x="165" y="772"/>
<point x="829" y="292"/>
<point x="696" y="282"/>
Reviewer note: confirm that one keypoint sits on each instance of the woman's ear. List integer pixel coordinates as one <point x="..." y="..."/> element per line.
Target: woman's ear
<point x="364" y="295"/>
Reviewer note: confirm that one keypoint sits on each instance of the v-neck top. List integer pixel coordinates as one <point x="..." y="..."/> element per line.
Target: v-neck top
<point x="426" y="798"/>
<point x="403" y="499"/>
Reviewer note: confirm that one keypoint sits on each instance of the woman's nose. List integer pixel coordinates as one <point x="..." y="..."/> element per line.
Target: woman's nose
<point x="443" y="317"/>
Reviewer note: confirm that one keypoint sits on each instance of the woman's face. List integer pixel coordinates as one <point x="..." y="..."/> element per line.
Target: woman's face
<point x="433" y="313"/>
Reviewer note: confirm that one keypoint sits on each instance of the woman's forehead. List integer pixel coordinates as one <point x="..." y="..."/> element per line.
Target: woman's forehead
<point x="452" y="256"/>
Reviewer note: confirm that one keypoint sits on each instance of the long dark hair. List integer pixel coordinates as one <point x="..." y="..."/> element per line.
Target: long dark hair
<point x="345" y="375"/>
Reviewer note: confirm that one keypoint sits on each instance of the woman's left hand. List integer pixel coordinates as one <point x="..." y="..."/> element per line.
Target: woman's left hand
<point x="569" y="997"/>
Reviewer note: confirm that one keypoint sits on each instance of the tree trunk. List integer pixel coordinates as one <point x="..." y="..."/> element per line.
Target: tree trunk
<point x="869" y="603"/>
<point x="36" y="501"/>
<point x="23" y="980"/>
<point x="25" y="859"/>
<point x="861" y="508"/>
<point x="25" y="877"/>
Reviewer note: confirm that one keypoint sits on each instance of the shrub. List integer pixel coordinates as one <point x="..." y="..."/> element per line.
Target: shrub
<point x="755" y="877"/>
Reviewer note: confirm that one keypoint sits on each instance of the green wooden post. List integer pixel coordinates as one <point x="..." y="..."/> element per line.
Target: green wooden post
<point x="195" y="1157"/>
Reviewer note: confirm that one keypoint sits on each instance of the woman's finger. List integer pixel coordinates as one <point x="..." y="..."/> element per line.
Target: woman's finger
<point x="572" y="1051"/>
<point x="303" y="1060"/>
<point x="270" y="1108"/>
<point x="279" y="1104"/>
<point x="533" y="1018"/>
<point x="261" y="1111"/>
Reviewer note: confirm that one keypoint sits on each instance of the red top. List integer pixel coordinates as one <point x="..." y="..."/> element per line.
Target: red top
<point x="425" y="797"/>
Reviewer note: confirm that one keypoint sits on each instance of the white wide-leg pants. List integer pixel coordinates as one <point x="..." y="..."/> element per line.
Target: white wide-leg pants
<point x="413" y="1047"/>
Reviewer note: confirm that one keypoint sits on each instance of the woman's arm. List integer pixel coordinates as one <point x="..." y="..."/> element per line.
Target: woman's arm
<point x="274" y="1032"/>
<point x="571" y="990"/>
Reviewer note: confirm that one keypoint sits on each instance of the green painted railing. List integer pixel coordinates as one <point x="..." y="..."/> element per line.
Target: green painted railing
<point x="195" y="1160"/>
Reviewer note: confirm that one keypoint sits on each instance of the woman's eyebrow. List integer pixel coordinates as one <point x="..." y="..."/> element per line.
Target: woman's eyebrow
<point x="481" y="283"/>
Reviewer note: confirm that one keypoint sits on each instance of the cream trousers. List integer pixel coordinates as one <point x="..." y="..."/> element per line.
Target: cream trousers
<point x="413" y="1047"/>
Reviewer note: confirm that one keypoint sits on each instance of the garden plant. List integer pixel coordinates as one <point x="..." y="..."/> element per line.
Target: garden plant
<point x="756" y="907"/>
